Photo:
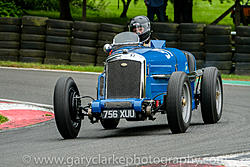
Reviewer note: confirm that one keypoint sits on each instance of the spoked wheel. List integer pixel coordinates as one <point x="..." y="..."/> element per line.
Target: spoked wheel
<point x="211" y="95"/>
<point x="110" y="123"/>
<point x="65" y="107"/>
<point x="179" y="102"/>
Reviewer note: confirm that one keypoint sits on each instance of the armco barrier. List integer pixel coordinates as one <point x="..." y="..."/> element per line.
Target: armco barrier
<point x="39" y="39"/>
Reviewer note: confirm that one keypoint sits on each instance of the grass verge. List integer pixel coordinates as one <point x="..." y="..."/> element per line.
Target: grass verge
<point x="3" y="119"/>
<point x="51" y="67"/>
<point x="93" y="69"/>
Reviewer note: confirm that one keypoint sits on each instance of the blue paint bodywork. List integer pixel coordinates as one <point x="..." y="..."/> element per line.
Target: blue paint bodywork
<point x="159" y="61"/>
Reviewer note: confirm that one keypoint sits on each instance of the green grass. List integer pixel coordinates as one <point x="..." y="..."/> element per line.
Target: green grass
<point x="235" y="77"/>
<point x="91" y="69"/>
<point x="53" y="67"/>
<point x="3" y="119"/>
<point x="203" y="12"/>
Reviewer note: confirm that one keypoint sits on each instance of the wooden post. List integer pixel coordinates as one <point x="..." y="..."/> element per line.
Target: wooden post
<point x="237" y="12"/>
<point x="84" y="8"/>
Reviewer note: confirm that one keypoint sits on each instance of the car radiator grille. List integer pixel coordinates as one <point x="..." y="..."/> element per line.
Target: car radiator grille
<point x="123" y="79"/>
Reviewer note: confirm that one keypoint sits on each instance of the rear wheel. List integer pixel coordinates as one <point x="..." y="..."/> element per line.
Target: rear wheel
<point x="65" y="107"/>
<point x="211" y="95"/>
<point x="179" y="102"/>
<point x="110" y="123"/>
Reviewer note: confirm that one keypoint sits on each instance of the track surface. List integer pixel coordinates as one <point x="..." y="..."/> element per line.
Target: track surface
<point x="141" y="139"/>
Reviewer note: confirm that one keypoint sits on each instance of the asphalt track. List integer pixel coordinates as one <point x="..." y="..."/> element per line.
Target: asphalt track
<point x="23" y="146"/>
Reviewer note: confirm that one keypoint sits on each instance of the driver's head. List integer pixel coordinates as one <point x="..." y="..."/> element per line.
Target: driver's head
<point x="141" y="26"/>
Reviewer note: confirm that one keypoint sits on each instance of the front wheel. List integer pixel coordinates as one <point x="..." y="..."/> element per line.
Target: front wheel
<point x="179" y="102"/>
<point x="65" y="107"/>
<point x="211" y="95"/>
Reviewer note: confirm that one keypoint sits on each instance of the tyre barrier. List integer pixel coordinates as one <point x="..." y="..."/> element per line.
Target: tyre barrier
<point x="84" y="42"/>
<point x="43" y="40"/>
<point x="58" y="40"/>
<point x="242" y="49"/>
<point x="166" y="31"/>
<point x="218" y="47"/>
<point x="33" y="39"/>
<point x="192" y="39"/>
<point x="9" y="38"/>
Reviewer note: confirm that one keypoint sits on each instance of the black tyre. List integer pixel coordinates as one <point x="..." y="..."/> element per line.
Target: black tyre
<point x="166" y="36"/>
<point x="102" y="35"/>
<point x="172" y="44"/>
<point x="84" y="50"/>
<point x="192" y="46"/>
<point x="86" y="26"/>
<point x="56" y="61"/>
<point x="33" y="37"/>
<point x="243" y="31"/>
<point x="57" y="55"/>
<point x="8" y="58"/>
<point x="179" y="102"/>
<point x="65" y="108"/>
<point x="242" y="40"/>
<point x="63" y="24"/>
<point x="192" y="37"/>
<point x="84" y="42"/>
<point x="242" y="65"/>
<point x="9" y="52"/>
<point x="31" y="53"/>
<point x="165" y="27"/>
<point x="218" y="30"/>
<point x="85" y="34"/>
<point x="211" y="95"/>
<point x="218" y="48"/>
<point x="110" y="123"/>
<point x="241" y="57"/>
<point x="57" y="47"/>
<point x="34" y="21"/>
<point x="9" y="36"/>
<point x="31" y="59"/>
<point x="192" y="26"/>
<point x="32" y="45"/>
<point x="112" y="28"/>
<point x="9" y="28"/>
<point x="199" y="55"/>
<point x="219" y="56"/>
<point x="218" y="39"/>
<point x="10" y="20"/>
<point x="9" y="45"/>
<point x="59" y="40"/>
<point x="59" y="32"/>
<point x="82" y="58"/>
<point x="222" y="65"/>
<point x="242" y="48"/>
<point x="34" y="30"/>
<point x="242" y="72"/>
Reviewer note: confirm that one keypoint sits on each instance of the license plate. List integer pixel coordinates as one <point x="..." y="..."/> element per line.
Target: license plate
<point x="124" y="113"/>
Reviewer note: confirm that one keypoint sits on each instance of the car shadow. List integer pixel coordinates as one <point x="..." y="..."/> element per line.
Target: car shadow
<point x="145" y="130"/>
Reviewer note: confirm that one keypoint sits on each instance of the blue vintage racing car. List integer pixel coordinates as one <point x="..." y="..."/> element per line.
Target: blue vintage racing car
<point x="138" y="82"/>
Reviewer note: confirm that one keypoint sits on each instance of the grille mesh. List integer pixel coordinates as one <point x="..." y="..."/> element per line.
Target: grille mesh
<point x="123" y="82"/>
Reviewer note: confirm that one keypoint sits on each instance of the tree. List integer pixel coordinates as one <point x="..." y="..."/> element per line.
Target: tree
<point x="84" y="8"/>
<point x="126" y="4"/>
<point x="125" y="8"/>
<point x="65" y="13"/>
